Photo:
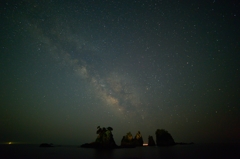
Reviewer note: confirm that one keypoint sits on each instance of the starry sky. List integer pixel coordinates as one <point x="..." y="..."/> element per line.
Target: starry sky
<point x="68" y="66"/>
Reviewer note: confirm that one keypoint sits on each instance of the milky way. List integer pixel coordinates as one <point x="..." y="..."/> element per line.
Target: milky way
<point x="140" y="65"/>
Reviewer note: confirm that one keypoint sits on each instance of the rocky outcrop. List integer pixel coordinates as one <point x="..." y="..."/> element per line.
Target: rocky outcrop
<point x="151" y="141"/>
<point x="138" y="140"/>
<point x="164" y="138"/>
<point x="104" y="139"/>
<point x="129" y="141"/>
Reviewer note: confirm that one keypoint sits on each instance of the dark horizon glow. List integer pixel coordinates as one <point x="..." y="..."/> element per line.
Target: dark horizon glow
<point x="67" y="67"/>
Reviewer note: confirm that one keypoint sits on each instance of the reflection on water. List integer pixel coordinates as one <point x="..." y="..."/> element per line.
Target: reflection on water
<point x="196" y="151"/>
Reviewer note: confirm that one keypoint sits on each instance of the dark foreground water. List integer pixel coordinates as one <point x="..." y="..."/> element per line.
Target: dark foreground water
<point x="196" y="151"/>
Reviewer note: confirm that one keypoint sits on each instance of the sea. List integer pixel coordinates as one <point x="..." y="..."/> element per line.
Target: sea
<point x="194" y="151"/>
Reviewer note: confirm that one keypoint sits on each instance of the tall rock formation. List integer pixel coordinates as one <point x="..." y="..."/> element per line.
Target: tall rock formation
<point x="138" y="140"/>
<point x="151" y="141"/>
<point x="164" y="138"/>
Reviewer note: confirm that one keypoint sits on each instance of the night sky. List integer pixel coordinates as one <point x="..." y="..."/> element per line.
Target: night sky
<point x="68" y="66"/>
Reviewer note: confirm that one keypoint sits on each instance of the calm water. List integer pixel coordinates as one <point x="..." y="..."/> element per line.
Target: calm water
<point x="203" y="151"/>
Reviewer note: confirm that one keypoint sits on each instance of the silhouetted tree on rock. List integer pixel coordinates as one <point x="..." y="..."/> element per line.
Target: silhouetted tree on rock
<point x="138" y="140"/>
<point x="164" y="138"/>
<point x="104" y="139"/>
<point x="129" y="141"/>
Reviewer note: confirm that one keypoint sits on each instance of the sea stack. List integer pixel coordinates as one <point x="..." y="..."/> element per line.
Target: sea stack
<point x="151" y="142"/>
<point x="164" y="138"/>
